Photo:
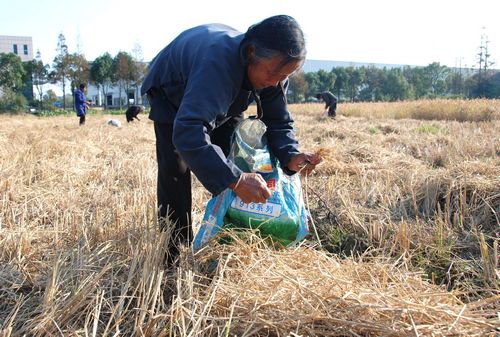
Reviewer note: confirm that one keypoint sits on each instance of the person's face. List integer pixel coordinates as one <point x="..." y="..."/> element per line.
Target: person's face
<point x="270" y="72"/>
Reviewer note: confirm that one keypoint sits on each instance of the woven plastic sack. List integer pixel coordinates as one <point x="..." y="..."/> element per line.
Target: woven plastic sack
<point x="282" y="218"/>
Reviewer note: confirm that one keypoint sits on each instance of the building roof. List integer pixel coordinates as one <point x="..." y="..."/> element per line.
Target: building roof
<point x="315" y="65"/>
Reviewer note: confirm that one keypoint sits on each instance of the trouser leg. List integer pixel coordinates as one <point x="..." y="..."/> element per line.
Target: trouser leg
<point x="82" y="119"/>
<point x="332" y="111"/>
<point x="173" y="191"/>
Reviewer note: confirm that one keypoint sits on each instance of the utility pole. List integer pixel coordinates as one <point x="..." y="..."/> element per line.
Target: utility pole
<point x="480" y="68"/>
<point x="484" y="64"/>
<point x="487" y="64"/>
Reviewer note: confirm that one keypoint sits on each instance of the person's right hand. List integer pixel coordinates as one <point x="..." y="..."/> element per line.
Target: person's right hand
<point x="251" y="187"/>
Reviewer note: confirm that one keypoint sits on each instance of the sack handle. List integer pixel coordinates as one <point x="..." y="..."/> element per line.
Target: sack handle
<point x="256" y="97"/>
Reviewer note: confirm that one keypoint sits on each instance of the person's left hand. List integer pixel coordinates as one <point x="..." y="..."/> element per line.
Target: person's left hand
<point x="304" y="162"/>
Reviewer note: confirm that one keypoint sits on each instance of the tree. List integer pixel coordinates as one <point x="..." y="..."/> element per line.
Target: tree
<point x="455" y="82"/>
<point x="78" y="72"/>
<point x="61" y="65"/>
<point x="493" y="88"/>
<point x="356" y="77"/>
<point x="12" y="75"/>
<point x="326" y="80"/>
<point x="297" y="87"/>
<point x="371" y="88"/>
<point x="123" y="66"/>
<point x="470" y="86"/>
<point x="40" y="76"/>
<point x="341" y="79"/>
<point x="395" y="86"/>
<point x="27" y="79"/>
<point x="101" y="73"/>
<point x="313" y="84"/>
<point x="419" y="81"/>
<point x="140" y="69"/>
<point x="11" y="72"/>
<point x="436" y="74"/>
<point x="49" y="99"/>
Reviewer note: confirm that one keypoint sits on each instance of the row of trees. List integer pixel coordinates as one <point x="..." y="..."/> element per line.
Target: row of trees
<point x="394" y="84"/>
<point x="17" y="79"/>
<point x="126" y="71"/>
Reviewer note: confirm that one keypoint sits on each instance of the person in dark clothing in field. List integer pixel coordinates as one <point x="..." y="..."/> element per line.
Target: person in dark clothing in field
<point x="132" y="112"/>
<point x="198" y="87"/>
<point x="81" y="104"/>
<point x="330" y="103"/>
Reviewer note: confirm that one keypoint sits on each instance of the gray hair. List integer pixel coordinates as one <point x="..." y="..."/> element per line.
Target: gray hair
<point x="277" y="35"/>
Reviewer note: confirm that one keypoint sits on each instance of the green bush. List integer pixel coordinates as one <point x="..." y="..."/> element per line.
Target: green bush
<point x="12" y="102"/>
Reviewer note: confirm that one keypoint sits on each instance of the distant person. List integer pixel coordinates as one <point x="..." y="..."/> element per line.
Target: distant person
<point x="132" y="112"/>
<point x="81" y="104"/>
<point x="331" y="103"/>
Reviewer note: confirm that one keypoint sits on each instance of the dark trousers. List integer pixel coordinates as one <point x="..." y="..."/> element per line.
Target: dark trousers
<point x="173" y="191"/>
<point x="332" y="110"/>
<point x="82" y="119"/>
<point x="174" y="183"/>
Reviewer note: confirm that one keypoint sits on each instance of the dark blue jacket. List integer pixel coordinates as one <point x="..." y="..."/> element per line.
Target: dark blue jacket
<point x="329" y="99"/>
<point x="79" y="103"/>
<point x="201" y="77"/>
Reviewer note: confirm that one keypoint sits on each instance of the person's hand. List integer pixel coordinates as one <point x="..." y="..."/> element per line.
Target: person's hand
<point x="304" y="162"/>
<point x="251" y="187"/>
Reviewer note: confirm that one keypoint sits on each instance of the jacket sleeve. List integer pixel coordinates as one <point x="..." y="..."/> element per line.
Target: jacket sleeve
<point x="279" y="122"/>
<point x="207" y="96"/>
<point x="325" y="99"/>
<point x="79" y="97"/>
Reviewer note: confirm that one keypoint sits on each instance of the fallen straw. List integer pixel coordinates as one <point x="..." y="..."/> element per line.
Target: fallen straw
<point x="310" y="292"/>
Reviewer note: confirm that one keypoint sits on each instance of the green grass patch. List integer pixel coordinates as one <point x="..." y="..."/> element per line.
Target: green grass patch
<point x="428" y="128"/>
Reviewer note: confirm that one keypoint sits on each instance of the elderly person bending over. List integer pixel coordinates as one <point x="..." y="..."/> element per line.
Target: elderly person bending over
<point x="330" y="103"/>
<point x="132" y="112"/>
<point x="198" y="87"/>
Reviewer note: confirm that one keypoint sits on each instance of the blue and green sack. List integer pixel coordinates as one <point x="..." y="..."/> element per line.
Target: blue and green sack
<point x="283" y="218"/>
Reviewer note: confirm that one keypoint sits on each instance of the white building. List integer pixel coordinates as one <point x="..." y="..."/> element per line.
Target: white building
<point x="22" y="46"/>
<point x="112" y="99"/>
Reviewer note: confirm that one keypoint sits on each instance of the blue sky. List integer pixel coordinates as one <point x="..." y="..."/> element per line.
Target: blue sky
<point x="382" y="31"/>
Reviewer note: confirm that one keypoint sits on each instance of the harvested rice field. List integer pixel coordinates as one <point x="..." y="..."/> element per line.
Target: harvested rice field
<point x="405" y="232"/>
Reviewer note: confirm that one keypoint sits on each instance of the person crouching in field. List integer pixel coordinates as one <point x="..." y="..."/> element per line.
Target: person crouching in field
<point x="81" y="104"/>
<point x="331" y="103"/>
<point x="198" y="88"/>
<point x="132" y="112"/>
